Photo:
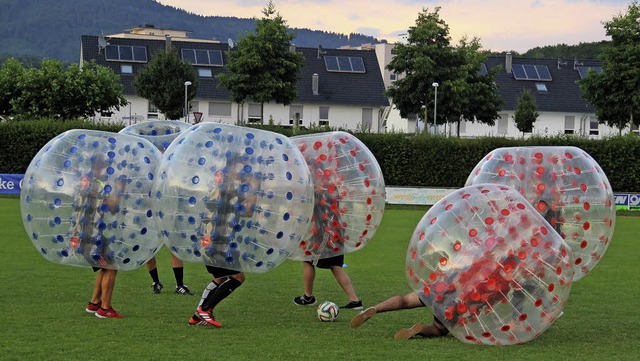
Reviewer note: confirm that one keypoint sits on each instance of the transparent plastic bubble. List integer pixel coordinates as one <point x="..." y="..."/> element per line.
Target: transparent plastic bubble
<point x="567" y="187"/>
<point x="488" y="265"/>
<point x="159" y="132"/>
<point x="233" y="197"/>
<point x="85" y="200"/>
<point x="349" y="195"/>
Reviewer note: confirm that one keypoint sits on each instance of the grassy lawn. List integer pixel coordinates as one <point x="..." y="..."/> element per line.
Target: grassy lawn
<point x="42" y="309"/>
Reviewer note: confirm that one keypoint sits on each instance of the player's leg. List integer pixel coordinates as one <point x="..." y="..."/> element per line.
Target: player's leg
<point x="408" y="301"/>
<point x="108" y="285"/>
<point x="178" y="271"/>
<point x="155" y="278"/>
<point x="308" y="277"/>
<point x="435" y="329"/>
<point x="347" y="286"/>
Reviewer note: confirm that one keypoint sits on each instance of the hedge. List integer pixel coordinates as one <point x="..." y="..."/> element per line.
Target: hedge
<point x="406" y="160"/>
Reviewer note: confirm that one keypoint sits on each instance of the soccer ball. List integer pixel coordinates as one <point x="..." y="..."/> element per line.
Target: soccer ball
<point x="328" y="311"/>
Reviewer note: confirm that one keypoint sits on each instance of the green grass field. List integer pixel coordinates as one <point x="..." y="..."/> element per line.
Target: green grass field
<point x="42" y="309"/>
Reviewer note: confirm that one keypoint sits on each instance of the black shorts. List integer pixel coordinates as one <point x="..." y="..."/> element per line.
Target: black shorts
<point x="218" y="272"/>
<point x="96" y="269"/>
<point x="327" y="263"/>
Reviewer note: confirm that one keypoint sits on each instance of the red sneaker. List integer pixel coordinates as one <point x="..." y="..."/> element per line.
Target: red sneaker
<point x="92" y="307"/>
<point x="107" y="313"/>
<point x="207" y="316"/>
<point x="194" y="320"/>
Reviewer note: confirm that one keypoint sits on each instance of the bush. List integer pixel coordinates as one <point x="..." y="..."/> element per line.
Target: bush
<point x="409" y="160"/>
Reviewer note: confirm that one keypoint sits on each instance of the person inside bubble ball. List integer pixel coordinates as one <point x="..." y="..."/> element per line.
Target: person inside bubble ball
<point x="96" y="200"/>
<point x="229" y="203"/>
<point x="402" y="302"/>
<point x="326" y="229"/>
<point x="484" y="282"/>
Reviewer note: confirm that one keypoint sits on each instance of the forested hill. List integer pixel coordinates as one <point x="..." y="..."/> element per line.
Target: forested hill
<point x="53" y="28"/>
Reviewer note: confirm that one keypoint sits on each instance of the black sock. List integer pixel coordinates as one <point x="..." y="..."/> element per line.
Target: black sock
<point x="154" y="275"/>
<point x="178" y="272"/>
<point x="220" y="293"/>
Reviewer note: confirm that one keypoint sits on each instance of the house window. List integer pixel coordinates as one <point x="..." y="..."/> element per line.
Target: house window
<point x="152" y="111"/>
<point x="569" y="124"/>
<point x="541" y="87"/>
<point x="503" y="124"/>
<point x="295" y="112"/>
<point x="593" y="126"/>
<point x="255" y="113"/>
<point x="635" y="129"/>
<point x="393" y="77"/>
<point x="220" y="109"/>
<point x="323" y="116"/>
<point x="367" y="118"/>
<point x="204" y="73"/>
<point x="126" y="69"/>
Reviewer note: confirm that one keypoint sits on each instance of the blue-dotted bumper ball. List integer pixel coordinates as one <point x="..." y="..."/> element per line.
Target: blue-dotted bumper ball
<point x="86" y="200"/>
<point x="159" y="132"/>
<point x="233" y="197"/>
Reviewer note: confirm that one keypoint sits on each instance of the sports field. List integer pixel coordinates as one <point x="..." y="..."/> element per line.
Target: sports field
<point x="42" y="305"/>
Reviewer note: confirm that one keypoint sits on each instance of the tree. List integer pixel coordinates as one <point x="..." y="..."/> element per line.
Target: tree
<point x="427" y="58"/>
<point x="10" y="72"/>
<point x="615" y="92"/>
<point x="526" y="112"/>
<point x="263" y="69"/>
<point x="57" y="91"/>
<point x="162" y="83"/>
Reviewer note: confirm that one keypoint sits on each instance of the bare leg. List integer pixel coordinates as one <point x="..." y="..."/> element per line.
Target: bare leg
<point x="151" y="264"/>
<point x="308" y="275"/>
<point x="96" y="298"/>
<point x="344" y="281"/>
<point x="175" y="261"/>
<point x="408" y="301"/>
<point x="435" y="329"/>
<point x="108" y="284"/>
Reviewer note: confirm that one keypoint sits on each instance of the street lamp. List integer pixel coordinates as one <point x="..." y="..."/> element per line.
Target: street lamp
<point x="186" y="102"/>
<point x="435" y="104"/>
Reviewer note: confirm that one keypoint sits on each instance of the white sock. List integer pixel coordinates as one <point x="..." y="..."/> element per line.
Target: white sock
<point x="210" y="287"/>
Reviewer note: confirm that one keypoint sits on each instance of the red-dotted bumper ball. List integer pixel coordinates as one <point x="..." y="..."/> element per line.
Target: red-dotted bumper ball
<point x="349" y="195"/>
<point x="567" y="186"/>
<point x="85" y="200"/>
<point x="233" y="197"/>
<point x="489" y="266"/>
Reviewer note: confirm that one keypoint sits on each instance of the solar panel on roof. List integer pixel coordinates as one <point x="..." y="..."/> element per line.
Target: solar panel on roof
<point x="483" y="69"/>
<point x="584" y="70"/>
<point x="202" y="57"/>
<point x="357" y="64"/>
<point x="331" y="62"/>
<point x="345" y="64"/>
<point x="126" y="53"/>
<point x="531" y="72"/>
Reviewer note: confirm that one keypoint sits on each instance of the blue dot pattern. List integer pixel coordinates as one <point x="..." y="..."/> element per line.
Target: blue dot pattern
<point x="86" y="197"/>
<point x="233" y="197"/>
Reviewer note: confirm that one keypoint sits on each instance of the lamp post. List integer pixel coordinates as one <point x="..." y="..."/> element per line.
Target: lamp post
<point x="186" y="102"/>
<point x="435" y="104"/>
<point x="129" y="103"/>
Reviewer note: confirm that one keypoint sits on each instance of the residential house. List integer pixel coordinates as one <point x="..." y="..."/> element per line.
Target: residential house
<point x="341" y="88"/>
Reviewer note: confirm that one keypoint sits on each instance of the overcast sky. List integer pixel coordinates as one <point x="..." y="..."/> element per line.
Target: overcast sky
<point x="500" y="24"/>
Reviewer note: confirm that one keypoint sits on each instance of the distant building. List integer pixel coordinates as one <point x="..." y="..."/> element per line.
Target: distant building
<point x="341" y="88"/>
<point x="344" y="88"/>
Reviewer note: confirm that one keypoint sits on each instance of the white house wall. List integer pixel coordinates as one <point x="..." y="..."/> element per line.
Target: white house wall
<point x="548" y="124"/>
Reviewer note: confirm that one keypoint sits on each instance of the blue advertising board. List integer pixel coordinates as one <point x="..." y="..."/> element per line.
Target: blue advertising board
<point x="10" y="183"/>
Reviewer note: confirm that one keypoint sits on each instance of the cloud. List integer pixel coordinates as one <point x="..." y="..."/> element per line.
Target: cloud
<point x="500" y="24"/>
